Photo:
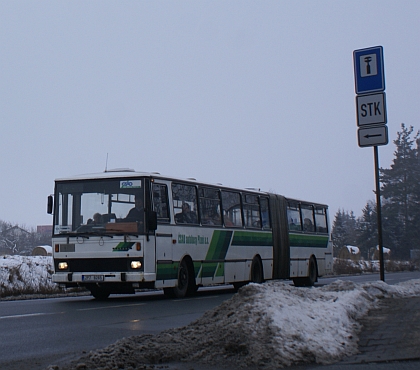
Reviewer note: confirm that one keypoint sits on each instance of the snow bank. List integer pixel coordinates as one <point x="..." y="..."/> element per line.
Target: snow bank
<point x="26" y="275"/>
<point x="265" y="326"/>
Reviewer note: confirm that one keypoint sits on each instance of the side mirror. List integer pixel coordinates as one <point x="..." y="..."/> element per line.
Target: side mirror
<point x="50" y="203"/>
<point x="152" y="221"/>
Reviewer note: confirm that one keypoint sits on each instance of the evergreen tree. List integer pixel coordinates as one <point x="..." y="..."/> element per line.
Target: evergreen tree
<point x="344" y="231"/>
<point x="400" y="191"/>
<point x="367" y="229"/>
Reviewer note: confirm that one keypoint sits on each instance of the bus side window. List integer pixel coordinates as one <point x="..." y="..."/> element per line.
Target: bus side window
<point x="232" y="212"/>
<point x="321" y="220"/>
<point x="160" y="202"/>
<point x="307" y="217"/>
<point x="251" y="208"/>
<point x="265" y="213"/>
<point x="209" y="206"/>
<point x="185" y="203"/>
<point x="293" y="216"/>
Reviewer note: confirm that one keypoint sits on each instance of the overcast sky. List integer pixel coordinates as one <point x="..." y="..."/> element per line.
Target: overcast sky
<point x="243" y="93"/>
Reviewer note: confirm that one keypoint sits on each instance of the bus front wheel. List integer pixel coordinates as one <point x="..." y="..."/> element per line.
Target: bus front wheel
<point x="186" y="282"/>
<point x="100" y="293"/>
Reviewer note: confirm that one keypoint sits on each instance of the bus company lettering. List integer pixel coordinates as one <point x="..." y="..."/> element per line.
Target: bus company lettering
<point x="190" y="239"/>
<point x="129" y="184"/>
<point x="126" y="184"/>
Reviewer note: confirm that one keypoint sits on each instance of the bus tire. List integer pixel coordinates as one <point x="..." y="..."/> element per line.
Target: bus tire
<point x="312" y="272"/>
<point x="186" y="283"/>
<point x="312" y="277"/>
<point x="100" y="293"/>
<point x="169" y="292"/>
<point x="237" y="286"/>
<point x="299" y="282"/>
<point x="257" y="273"/>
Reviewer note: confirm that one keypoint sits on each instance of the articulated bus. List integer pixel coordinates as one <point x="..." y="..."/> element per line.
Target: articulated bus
<point x="121" y="230"/>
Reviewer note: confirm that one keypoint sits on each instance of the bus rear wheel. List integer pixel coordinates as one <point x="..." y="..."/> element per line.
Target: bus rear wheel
<point x="312" y="277"/>
<point x="312" y="273"/>
<point x="257" y="274"/>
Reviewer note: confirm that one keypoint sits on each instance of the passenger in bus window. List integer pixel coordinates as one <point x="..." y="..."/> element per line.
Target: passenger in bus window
<point x="136" y="214"/>
<point x="212" y="217"/>
<point x="97" y="219"/>
<point x="186" y="216"/>
<point x="307" y="225"/>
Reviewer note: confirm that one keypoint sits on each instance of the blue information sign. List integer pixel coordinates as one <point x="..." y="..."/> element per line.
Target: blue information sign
<point x="369" y="73"/>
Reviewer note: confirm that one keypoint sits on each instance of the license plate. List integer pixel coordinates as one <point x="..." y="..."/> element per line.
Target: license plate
<point x="92" y="278"/>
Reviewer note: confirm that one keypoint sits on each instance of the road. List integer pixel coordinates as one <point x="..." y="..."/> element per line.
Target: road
<point x="48" y="331"/>
<point x="36" y="333"/>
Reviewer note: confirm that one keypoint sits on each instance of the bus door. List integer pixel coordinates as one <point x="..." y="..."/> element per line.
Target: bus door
<point x="164" y="237"/>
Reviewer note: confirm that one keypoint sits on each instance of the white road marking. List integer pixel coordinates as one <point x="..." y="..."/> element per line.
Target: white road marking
<point x="105" y="307"/>
<point x="29" y="315"/>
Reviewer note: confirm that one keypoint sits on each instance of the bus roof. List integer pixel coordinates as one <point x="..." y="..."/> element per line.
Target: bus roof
<point x="126" y="172"/>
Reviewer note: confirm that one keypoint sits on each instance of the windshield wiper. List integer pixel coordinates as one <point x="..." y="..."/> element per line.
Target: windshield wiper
<point x="85" y="234"/>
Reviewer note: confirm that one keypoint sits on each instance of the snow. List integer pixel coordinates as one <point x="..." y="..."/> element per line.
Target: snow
<point x="352" y="249"/>
<point x="265" y="326"/>
<point x="26" y="275"/>
<point x="385" y="250"/>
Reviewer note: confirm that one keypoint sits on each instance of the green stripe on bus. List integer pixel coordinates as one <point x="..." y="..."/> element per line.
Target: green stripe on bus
<point x="167" y="271"/>
<point x="209" y="269"/>
<point x="218" y="248"/>
<point x="314" y="241"/>
<point x="252" y="239"/>
<point x="219" y="245"/>
<point x="220" y="271"/>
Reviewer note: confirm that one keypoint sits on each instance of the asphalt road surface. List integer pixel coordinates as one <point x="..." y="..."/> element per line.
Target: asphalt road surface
<point x="37" y="333"/>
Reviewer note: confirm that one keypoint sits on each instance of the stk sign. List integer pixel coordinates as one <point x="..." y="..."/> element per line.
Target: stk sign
<point x="371" y="109"/>
<point x="369" y="73"/>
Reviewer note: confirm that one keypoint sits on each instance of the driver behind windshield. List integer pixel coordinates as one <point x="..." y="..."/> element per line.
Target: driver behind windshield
<point x="136" y="214"/>
<point x="97" y="219"/>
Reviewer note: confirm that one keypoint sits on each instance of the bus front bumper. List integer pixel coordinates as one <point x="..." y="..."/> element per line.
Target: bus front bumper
<point x="81" y="278"/>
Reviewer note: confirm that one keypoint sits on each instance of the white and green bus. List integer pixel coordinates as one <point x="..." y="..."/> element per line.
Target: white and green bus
<point x="121" y="230"/>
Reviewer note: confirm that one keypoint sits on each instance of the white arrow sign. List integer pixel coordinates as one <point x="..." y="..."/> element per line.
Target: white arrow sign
<point x="373" y="136"/>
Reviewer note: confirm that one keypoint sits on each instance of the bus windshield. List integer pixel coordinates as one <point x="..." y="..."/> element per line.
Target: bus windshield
<point x="98" y="207"/>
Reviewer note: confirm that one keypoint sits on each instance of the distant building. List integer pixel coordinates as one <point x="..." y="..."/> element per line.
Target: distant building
<point x="44" y="229"/>
<point x="374" y="253"/>
<point x="10" y="240"/>
<point x="349" y="252"/>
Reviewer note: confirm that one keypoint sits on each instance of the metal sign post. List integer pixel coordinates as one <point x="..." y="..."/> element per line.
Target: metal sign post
<point x="369" y="78"/>
<point x="379" y="215"/>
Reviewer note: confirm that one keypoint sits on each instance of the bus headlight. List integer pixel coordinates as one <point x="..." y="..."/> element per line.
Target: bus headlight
<point x="63" y="266"/>
<point x="135" y="264"/>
